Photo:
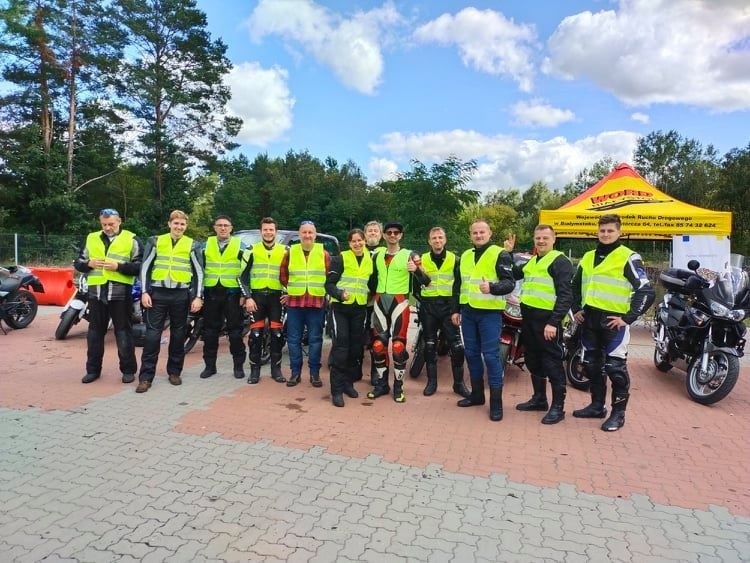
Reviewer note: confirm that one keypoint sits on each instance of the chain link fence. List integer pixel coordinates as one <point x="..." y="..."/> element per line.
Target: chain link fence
<point x="38" y="250"/>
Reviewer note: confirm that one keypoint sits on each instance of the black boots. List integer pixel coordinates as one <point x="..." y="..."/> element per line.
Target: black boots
<point x="337" y="399"/>
<point x="596" y="409"/>
<point x="210" y="368"/>
<point x="239" y="372"/>
<point x="476" y="397"/>
<point x="617" y="419"/>
<point x="458" y="379"/>
<point x="431" y="386"/>
<point x="538" y="401"/>
<point x="556" y="412"/>
<point x="254" y="374"/>
<point x="496" y="404"/>
<point x="276" y="374"/>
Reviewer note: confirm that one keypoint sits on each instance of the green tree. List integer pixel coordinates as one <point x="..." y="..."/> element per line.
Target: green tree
<point x="733" y="195"/>
<point x="173" y="85"/>
<point x="423" y="198"/>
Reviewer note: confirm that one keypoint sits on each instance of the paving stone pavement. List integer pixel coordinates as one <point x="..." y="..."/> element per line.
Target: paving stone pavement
<point x="119" y="478"/>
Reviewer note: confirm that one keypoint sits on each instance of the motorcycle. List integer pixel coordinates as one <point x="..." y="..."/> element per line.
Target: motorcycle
<point x="698" y="328"/>
<point x="77" y="309"/>
<point x="511" y="343"/>
<point x="18" y="306"/>
<point x="573" y="359"/>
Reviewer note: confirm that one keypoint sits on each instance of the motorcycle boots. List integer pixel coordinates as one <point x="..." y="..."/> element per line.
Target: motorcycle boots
<point x="538" y="401"/>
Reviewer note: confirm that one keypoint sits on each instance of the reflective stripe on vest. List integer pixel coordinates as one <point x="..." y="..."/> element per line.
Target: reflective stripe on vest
<point x="441" y="284"/>
<point x="222" y="267"/>
<point x="307" y="275"/>
<point x="394" y="278"/>
<point x="538" y="287"/>
<point x="120" y="250"/>
<point x="266" y="268"/>
<point x="354" y="277"/>
<point x="605" y="286"/>
<point x="172" y="262"/>
<point x="471" y="277"/>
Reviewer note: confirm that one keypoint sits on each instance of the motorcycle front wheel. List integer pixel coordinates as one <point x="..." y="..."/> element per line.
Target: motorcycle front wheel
<point x="193" y="331"/>
<point x="720" y="377"/>
<point x="574" y="371"/>
<point x="504" y="353"/>
<point x="417" y="360"/>
<point x="22" y="307"/>
<point x="68" y="318"/>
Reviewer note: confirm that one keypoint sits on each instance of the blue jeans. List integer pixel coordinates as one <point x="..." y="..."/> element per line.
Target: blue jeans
<point x="481" y="331"/>
<point x="297" y="318"/>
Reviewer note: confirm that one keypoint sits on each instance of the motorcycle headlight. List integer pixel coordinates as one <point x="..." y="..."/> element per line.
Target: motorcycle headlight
<point x="513" y="310"/>
<point x="719" y="310"/>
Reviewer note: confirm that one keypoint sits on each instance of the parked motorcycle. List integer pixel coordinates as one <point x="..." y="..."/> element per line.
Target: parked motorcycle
<point x="511" y="343"/>
<point x="18" y="306"/>
<point x="417" y="359"/>
<point x="698" y="327"/>
<point x="573" y="359"/>
<point x="77" y="309"/>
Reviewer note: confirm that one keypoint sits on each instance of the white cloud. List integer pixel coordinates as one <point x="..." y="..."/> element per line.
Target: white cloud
<point x="261" y="97"/>
<point x="504" y="161"/>
<point x="640" y="117"/>
<point x="660" y="51"/>
<point x="538" y="113"/>
<point x="352" y="48"/>
<point x="381" y="169"/>
<point x="487" y="41"/>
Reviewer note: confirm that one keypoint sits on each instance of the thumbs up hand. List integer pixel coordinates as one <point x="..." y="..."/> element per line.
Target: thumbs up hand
<point x="484" y="285"/>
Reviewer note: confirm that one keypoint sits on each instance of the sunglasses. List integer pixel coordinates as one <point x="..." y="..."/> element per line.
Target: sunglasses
<point x="108" y="211"/>
<point x="307" y="222"/>
<point x="222" y="225"/>
<point x="393" y="232"/>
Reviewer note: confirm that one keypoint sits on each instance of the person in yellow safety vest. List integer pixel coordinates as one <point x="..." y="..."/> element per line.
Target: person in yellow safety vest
<point x="111" y="260"/>
<point x="303" y="273"/>
<point x="546" y="296"/>
<point x="486" y="275"/>
<point x="349" y="283"/>
<point x="438" y="301"/>
<point x="610" y="291"/>
<point x="264" y="302"/>
<point x="226" y="289"/>
<point x="373" y="241"/>
<point x="394" y="268"/>
<point x="172" y="282"/>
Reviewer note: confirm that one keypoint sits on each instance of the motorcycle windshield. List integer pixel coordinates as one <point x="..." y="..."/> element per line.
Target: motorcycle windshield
<point x="729" y="288"/>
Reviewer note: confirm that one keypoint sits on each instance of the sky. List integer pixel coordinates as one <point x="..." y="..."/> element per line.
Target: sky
<point x="532" y="90"/>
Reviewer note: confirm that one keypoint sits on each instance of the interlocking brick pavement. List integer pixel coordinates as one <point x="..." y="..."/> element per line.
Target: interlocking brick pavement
<point x="220" y="470"/>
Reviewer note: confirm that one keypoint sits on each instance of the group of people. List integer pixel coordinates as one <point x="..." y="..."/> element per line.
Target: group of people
<point x="369" y="288"/>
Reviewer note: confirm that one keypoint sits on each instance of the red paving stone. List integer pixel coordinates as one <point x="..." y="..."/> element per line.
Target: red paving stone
<point x="673" y="450"/>
<point x="37" y="371"/>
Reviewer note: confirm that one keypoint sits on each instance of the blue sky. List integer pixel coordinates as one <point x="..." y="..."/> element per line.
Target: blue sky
<point x="533" y="90"/>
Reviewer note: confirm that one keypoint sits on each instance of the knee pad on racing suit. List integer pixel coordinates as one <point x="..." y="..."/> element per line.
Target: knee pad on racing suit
<point x="400" y="355"/>
<point x="380" y="349"/>
<point x="457" y="354"/>
<point x="430" y="351"/>
<point x="592" y="365"/>
<point x="617" y="370"/>
<point x="277" y="340"/>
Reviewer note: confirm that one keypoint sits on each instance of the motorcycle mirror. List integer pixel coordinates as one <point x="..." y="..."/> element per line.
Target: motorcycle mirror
<point x="693" y="265"/>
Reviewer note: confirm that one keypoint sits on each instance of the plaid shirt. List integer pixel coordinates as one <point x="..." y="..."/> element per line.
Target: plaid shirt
<point x="305" y="300"/>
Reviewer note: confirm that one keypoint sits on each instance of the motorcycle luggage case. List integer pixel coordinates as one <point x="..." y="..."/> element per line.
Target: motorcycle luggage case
<point x="674" y="279"/>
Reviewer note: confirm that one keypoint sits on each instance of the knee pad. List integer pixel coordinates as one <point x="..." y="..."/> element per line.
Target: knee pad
<point x="400" y="355"/>
<point x="378" y="347"/>
<point x="430" y="350"/>
<point x="616" y="369"/>
<point x="256" y="334"/>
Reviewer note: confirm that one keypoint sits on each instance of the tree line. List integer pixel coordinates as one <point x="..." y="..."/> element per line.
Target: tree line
<point x="124" y="105"/>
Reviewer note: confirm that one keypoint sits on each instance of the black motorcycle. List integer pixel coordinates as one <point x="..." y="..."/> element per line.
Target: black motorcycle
<point x="698" y="327"/>
<point x="573" y="360"/>
<point x="194" y="332"/>
<point x="18" y="306"/>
